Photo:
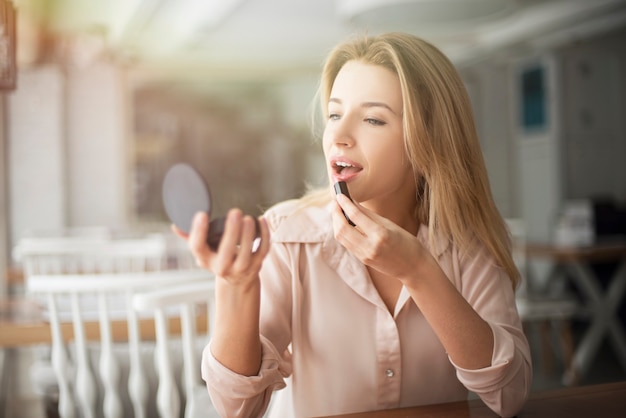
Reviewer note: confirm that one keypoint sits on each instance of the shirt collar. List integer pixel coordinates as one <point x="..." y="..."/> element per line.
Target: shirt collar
<point x="313" y="224"/>
<point x="292" y="223"/>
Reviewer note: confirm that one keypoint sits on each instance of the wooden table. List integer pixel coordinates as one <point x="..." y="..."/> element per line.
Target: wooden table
<point x="605" y="401"/>
<point x="575" y="263"/>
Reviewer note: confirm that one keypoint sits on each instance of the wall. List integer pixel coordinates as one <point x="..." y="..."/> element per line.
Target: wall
<point x="301" y="109"/>
<point x="98" y="165"/>
<point x="488" y="86"/>
<point x="67" y="149"/>
<point x="594" y="122"/>
<point x="579" y="153"/>
<point x="246" y="147"/>
<point x="523" y="166"/>
<point x="37" y="162"/>
<point x="538" y="151"/>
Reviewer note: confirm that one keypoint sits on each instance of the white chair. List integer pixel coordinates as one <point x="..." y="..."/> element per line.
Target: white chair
<point x="548" y="311"/>
<point x="73" y="255"/>
<point x="188" y="299"/>
<point x="86" y="252"/>
<point x="79" y="380"/>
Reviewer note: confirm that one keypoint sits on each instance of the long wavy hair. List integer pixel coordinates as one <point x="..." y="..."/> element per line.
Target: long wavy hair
<point x="453" y="193"/>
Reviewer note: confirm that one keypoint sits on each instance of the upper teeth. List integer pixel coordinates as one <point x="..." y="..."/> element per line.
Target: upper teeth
<point x="343" y="164"/>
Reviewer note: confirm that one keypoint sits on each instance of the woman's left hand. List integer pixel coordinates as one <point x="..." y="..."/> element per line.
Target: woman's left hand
<point x="386" y="247"/>
<point x="376" y="241"/>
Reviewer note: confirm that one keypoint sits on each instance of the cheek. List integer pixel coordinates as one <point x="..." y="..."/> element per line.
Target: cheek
<point x="396" y="154"/>
<point x="387" y="149"/>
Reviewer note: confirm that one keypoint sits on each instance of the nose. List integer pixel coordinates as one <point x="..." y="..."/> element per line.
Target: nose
<point x="341" y="132"/>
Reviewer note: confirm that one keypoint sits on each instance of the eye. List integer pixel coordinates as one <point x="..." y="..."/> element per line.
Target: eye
<point x="375" y="122"/>
<point x="333" y="116"/>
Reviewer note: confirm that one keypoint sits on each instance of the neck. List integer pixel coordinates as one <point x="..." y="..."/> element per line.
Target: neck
<point x="398" y="212"/>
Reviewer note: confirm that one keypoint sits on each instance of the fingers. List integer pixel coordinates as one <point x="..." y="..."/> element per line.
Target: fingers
<point x="374" y="228"/>
<point x="340" y="223"/>
<point x="244" y="249"/>
<point x="349" y="236"/>
<point x="358" y="214"/>
<point x="238" y="255"/>
<point x="229" y="245"/>
<point x="197" y="239"/>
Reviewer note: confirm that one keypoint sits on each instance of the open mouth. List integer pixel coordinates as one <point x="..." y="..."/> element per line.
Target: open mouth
<point x="345" y="169"/>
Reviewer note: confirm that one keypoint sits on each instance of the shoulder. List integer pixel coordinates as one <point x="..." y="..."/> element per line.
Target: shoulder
<point x="295" y="221"/>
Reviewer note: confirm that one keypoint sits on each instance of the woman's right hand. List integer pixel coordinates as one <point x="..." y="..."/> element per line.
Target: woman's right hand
<point x="234" y="261"/>
<point x="235" y="341"/>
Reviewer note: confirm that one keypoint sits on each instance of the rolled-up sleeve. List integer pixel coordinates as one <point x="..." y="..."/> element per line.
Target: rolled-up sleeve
<point x="504" y="385"/>
<point x="235" y="395"/>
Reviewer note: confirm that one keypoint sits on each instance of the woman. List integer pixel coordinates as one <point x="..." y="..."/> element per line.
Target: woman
<point x="412" y="305"/>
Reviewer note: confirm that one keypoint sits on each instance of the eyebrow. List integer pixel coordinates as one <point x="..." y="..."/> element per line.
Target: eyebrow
<point x="366" y="104"/>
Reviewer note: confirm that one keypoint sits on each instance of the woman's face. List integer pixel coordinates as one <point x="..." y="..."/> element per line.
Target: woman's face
<point x="363" y="138"/>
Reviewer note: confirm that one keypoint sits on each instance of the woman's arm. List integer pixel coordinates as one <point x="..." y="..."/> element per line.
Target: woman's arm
<point x="471" y="307"/>
<point x="235" y="343"/>
<point x="399" y="255"/>
<point x="234" y="392"/>
<point x="467" y="338"/>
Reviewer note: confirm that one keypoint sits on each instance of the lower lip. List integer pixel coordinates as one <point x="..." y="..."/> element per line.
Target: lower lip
<point x="338" y="177"/>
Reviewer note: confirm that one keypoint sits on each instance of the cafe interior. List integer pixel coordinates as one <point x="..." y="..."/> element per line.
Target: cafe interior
<point x="105" y="313"/>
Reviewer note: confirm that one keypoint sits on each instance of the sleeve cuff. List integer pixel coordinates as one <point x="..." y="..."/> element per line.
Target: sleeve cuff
<point x="233" y="385"/>
<point x="493" y="377"/>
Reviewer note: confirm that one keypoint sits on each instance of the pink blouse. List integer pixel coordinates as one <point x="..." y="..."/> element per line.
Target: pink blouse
<point x="331" y="346"/>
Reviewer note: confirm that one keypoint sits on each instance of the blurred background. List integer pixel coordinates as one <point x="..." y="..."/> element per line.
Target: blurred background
<point x="99" y="98"/>
<point x="108" y="95"/>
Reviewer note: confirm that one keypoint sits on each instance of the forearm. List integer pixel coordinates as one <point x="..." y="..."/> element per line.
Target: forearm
<point x="235" y="340"/>
<point x="467" y="338"/>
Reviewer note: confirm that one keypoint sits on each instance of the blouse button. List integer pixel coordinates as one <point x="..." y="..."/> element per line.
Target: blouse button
<point x="389" y="373"/>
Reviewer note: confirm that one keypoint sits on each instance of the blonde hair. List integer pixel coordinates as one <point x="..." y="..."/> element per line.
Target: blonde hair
<point x="453" y="195"/>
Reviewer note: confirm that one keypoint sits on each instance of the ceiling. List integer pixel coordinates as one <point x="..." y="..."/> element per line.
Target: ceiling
<point x="271" y="38"/>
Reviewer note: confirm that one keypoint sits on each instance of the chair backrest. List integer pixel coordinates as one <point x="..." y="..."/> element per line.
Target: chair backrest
<point x="78" y="381"/>
<point x="74" y="255"/>
<point x="189" y="299"/>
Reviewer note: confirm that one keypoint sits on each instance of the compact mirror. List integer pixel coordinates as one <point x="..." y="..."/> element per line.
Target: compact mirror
<point x="185" y="192"/>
